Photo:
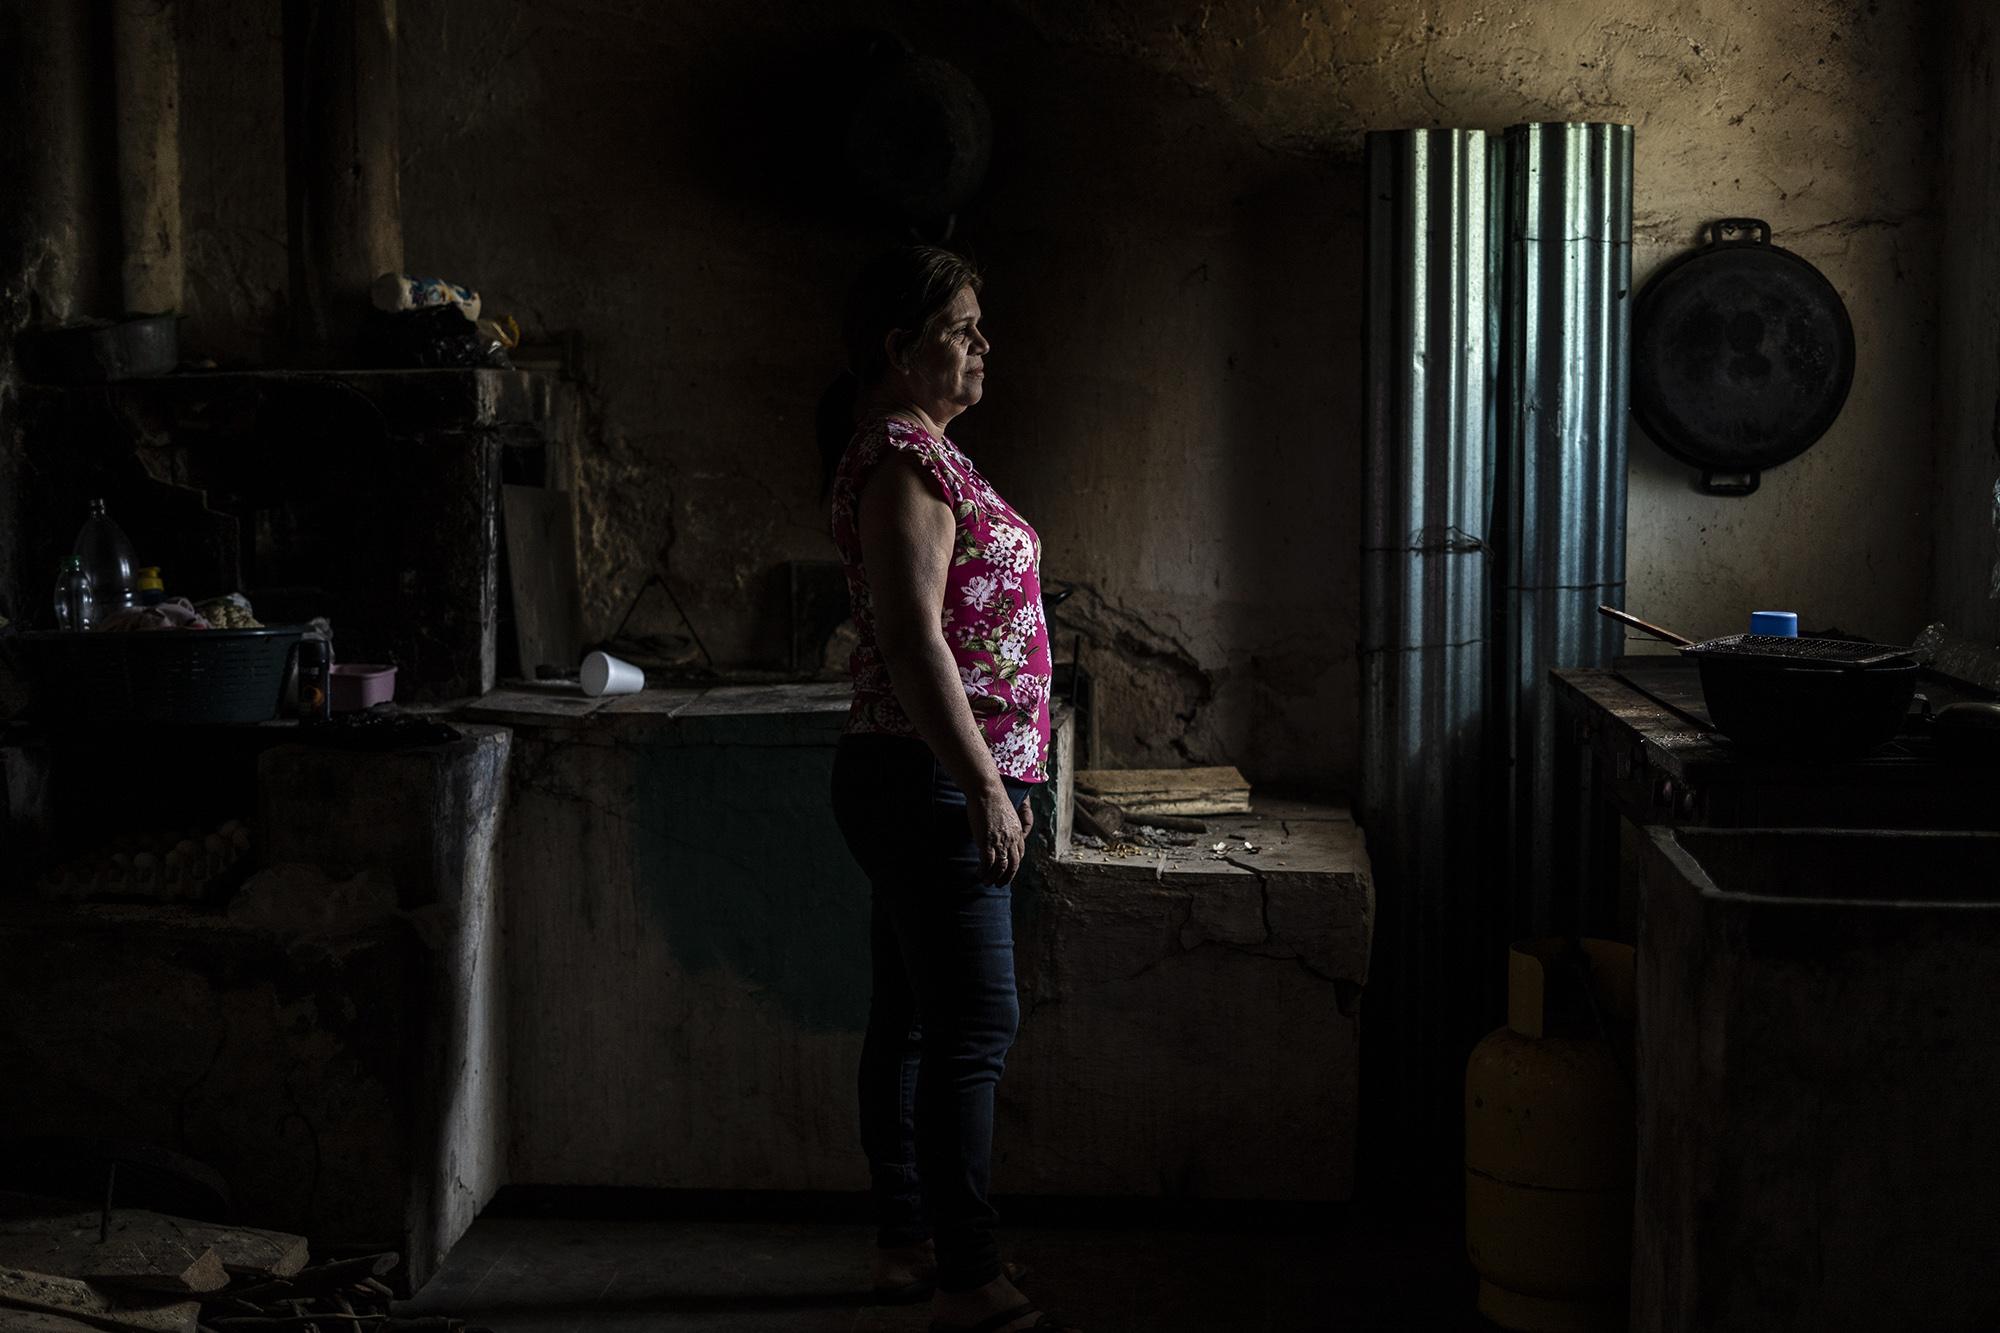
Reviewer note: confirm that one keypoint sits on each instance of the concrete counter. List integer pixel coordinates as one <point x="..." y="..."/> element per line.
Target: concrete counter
<point x="688" y="978"/>
<point x="686" y="939"/>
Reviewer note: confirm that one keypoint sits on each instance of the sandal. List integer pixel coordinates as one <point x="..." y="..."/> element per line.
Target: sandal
<point x="904" y="1273"/>
<point x="1006" y="1317"/>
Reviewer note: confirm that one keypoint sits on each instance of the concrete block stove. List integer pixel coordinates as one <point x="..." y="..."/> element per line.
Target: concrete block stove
<point x="328" y="1042"/>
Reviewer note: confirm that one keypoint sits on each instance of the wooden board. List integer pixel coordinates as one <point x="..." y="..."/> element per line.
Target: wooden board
<point x="145" y="1251"/>
<point x="1169" y="791"/>
<point x="48" y="1294"/>
<point x="541" y="574"/>
<point x="40" y="1321"/>
<point x="251" y="1250"/>
<point x="248" y="1250"/>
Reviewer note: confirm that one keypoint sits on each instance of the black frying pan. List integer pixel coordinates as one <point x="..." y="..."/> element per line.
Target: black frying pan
<point x="1742" y="355"/>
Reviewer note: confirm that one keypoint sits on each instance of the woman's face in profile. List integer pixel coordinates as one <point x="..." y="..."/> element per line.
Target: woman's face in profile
<point x="951" y="367"/>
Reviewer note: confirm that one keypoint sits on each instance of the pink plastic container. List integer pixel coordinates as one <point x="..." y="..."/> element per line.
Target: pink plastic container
<point x="359" y="685"/>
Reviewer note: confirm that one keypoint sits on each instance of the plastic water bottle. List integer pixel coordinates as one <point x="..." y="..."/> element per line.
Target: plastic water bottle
<point x="107" y="559"/>
<point x="76" y="607"/>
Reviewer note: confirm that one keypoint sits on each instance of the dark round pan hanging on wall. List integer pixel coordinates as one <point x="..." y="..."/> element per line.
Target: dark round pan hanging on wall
<point x="1742" y="355"/>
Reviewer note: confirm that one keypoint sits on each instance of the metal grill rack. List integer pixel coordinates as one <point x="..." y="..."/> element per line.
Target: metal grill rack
<point x="1786" y="651"/>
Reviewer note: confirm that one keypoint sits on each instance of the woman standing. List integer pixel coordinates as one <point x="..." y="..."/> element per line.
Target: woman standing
<point x="948" y="733"/>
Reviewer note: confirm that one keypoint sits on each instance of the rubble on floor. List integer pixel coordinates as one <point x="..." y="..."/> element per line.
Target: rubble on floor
<point x="150" y="1272"/>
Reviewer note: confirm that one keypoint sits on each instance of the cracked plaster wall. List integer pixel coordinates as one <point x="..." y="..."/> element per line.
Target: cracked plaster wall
<point x="1172" y="231"/>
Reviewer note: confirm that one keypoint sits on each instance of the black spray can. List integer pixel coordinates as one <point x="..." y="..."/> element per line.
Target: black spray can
<point x="315" y="682"/>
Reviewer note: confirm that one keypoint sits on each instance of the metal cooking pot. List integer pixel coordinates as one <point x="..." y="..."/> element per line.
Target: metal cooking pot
<point x="1742" y="355"/>
<point x="1811" y="712"/>
<point x="1798" y="698"/>
<point x="96" y="351"/>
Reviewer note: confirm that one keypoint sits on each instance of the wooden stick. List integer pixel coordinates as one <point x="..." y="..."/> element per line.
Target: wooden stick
<point x="324" y="1278"/>
<point x="1141" y="793"/>
<point x="104" y="1218"/>
<point x="1642" y="626"/>
<point x="1172" y="823"/>
<point x="90" y="1305"/>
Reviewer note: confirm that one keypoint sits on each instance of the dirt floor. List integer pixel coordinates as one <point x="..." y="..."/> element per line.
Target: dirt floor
<point x="523" y="1270"/>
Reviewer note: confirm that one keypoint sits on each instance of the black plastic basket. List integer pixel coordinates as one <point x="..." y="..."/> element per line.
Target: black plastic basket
<point x="155" y="676"/>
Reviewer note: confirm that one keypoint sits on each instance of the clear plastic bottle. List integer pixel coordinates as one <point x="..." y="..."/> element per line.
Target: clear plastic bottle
<point x="107" y="559"/>
<point x="76" y="606"/>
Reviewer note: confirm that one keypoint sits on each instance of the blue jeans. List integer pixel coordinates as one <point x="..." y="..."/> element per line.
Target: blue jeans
<point x="943" y="1010"/>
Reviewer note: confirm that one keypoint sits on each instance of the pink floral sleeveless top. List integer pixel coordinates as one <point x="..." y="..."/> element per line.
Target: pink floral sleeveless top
<point x="992" y="613"/>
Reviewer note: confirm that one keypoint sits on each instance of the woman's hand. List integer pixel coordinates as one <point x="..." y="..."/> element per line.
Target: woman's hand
<point x="1000" y="833"/>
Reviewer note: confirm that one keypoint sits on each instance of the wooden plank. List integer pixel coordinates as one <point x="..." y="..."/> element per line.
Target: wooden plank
<point x="541" y="574"/>
<point x="1169" y="791"/>
<point x="532" y="704"/>
<point x="48" y="1294"/>
<point x="248" y="1250"/>
<point x="39" y="1321"/>
<point x="251" y="1250"/>
<point x="142" y="1251"/>
<point x="319" y="1281"/>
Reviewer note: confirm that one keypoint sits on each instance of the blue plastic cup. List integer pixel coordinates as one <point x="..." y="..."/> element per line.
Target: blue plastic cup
<point x="1782" y="624"/>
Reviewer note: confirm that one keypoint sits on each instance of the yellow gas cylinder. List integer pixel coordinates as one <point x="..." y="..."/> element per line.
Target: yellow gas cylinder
<point x="1549" y="1142"/>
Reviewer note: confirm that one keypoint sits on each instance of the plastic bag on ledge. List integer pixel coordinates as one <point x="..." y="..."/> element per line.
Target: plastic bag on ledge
<point x="437" y="337"/>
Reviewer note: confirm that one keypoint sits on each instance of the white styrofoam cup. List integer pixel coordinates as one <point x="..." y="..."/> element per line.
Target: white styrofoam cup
<point x="604" y="674"/>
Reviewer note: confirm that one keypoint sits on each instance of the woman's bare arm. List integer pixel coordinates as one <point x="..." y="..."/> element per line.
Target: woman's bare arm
<point x="906" y="540"/>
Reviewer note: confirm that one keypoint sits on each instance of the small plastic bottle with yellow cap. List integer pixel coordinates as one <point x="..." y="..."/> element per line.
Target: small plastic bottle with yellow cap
<point x="151" y="590"/>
